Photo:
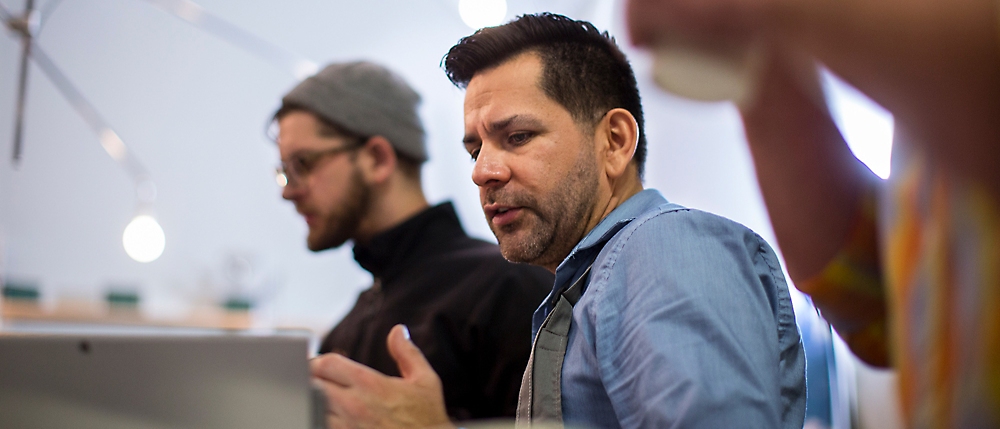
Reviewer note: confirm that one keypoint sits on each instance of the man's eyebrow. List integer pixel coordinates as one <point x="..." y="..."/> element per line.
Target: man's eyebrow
<point x="513" y="121"/>
<point x="505" y="123"/>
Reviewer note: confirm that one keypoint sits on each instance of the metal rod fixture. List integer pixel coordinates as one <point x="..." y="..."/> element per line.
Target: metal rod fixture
<point x="192" y="13"/>
<point x="23" y="26"/>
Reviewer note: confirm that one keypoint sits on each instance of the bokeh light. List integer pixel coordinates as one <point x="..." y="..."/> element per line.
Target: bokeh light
<point x="143" y="239"/>
<point x="482" y="13"/>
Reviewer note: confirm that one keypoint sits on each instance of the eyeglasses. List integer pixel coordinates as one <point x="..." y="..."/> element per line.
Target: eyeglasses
<point x="291" y="173"/>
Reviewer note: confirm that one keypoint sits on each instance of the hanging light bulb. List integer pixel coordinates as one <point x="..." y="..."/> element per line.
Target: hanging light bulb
<point x="143" y="239"/>
<point x="482" y="13"/>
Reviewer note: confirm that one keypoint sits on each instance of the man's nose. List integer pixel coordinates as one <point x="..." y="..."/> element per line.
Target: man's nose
<point x="491" y="168"/>
<point x="291" y="191"/>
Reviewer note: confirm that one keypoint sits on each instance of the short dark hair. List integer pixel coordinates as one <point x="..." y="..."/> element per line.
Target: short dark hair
<point x="582" y="68"/>
<point x="327" y="128"/>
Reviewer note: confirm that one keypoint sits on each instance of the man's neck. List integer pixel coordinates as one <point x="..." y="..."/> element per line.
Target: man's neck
<point x="391" y="209"/>
<point x="617" y="198"/>
<point x="621" y="191"/>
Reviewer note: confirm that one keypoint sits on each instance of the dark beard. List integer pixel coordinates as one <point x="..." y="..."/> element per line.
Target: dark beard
<point x="343" y="224"/>
<point x="559" y="223"/>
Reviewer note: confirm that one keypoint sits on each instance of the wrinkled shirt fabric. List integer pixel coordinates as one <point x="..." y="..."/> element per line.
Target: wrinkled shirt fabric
<point x="686" y="322"/>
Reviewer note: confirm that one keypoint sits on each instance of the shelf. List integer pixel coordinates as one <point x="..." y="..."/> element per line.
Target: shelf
<point x="100" y="313"/>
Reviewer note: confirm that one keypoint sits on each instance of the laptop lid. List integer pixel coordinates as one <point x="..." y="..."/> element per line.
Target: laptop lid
<point x="212" y="381"/>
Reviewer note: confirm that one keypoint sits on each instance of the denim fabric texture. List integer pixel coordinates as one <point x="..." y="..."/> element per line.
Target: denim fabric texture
<point x="686" y="321"/>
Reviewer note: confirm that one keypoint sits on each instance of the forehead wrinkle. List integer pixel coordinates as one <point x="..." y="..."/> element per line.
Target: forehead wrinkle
<point x="517" y="120"/>
<point x="501" y="124"/>
<point x="489" y="94"/>
<point x="488" y="128"/>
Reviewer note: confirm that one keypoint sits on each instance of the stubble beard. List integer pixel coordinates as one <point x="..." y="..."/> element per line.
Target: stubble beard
<point x="342" y="224"/>
<point x="554" y="227"/>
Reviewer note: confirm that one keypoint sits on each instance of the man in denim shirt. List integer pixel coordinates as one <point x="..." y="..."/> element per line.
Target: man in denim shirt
<point x="660" y="316"/>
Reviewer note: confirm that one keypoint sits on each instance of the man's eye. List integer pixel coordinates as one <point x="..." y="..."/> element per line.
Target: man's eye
<point x="302" y="163"/>
<point x="519" y="138"/>
<point x="474" y="154"/>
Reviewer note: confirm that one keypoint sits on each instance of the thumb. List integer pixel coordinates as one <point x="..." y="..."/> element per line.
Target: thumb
<point x="411" y="362"/>
<point x="637" y="13"/>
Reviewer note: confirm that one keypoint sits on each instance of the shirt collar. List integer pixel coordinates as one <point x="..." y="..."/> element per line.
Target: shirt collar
<point x="584" y="253"/>
<point x="396" y="248"/>
<point x="613" y="222"/>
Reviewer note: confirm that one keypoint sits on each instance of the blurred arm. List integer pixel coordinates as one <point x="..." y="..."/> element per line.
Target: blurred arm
<point x="821" y="202"/>
<point x="811" y="182"/>
<point x="935" y="64"/>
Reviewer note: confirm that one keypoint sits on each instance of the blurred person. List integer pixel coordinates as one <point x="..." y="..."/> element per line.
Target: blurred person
<point x="907" y="270"/>
<point x="352" y="146"/>
<point x="660" y="315"/>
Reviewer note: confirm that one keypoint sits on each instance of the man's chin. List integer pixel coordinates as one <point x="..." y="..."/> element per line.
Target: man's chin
<point x="516" y="248"/>
<point x="319" y="244"/>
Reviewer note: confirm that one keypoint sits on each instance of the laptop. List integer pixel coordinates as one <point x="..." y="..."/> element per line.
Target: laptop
<point x="198" y="381"/>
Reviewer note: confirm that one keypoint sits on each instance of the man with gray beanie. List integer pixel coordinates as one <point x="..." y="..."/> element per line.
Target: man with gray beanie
<point x="351" y="147"/>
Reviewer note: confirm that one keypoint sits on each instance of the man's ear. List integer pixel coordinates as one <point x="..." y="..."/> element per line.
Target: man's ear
<point x="620" y="134"/>
<point x="377" y="159"/>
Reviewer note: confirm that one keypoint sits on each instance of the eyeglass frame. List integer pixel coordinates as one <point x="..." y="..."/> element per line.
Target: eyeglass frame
<point x="309" y="161"/>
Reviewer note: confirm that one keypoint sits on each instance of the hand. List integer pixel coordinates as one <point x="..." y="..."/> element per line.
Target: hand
<point x="650" y="21"/>
<point x="360" y="397"/>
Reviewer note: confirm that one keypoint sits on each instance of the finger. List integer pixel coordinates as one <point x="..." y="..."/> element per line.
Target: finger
<point x="335" y="368"/>
<point x="336" y="422"/>
<point x="641" y="24"/>
<point x="411" y="362"/>
<point x="636" y="28"/>
<point x="331" y="395"/>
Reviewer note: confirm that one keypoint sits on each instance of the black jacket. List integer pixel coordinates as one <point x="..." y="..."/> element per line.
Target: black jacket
<point x="467" y="308"/>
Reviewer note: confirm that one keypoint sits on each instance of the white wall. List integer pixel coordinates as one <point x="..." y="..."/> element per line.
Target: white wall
<point x="193" y="108"/>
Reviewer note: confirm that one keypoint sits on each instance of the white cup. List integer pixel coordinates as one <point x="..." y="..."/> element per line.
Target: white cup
<point x="708" y="72"/>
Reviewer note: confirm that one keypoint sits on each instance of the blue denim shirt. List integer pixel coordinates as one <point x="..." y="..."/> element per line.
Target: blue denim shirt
<point x="686" y="321"/>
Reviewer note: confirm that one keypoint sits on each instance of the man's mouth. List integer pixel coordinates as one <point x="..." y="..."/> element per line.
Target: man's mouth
<point x="500" y="215"/>
<point x="309" y="217"/>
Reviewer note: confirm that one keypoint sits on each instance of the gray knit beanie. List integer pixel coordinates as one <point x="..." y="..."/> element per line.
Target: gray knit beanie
<point x="365" y="99"/>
